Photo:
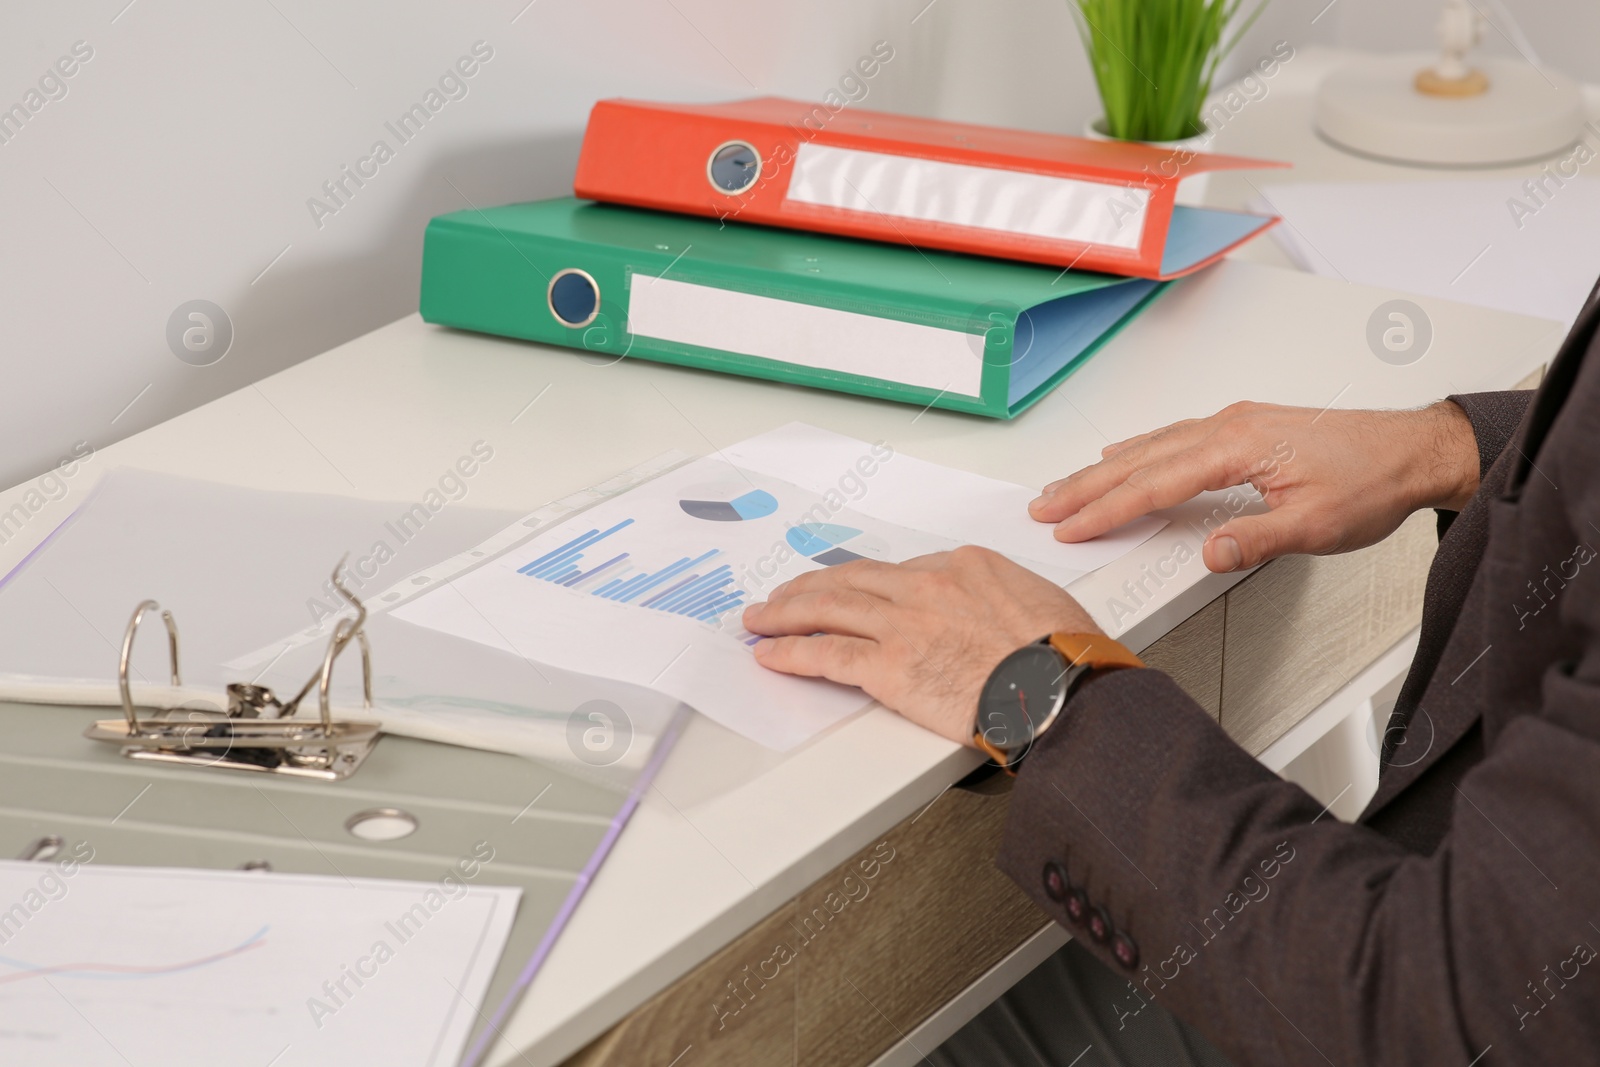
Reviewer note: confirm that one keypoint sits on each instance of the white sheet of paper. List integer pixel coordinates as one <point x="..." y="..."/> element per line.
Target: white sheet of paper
<point x="648" y="587"/>
<point x="104" y="966"/>
<point x="964" y="507"/>
<point x="1489" y="242"/>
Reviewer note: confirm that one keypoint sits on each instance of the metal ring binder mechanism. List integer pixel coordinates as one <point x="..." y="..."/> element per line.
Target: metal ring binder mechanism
<point x="258" y="732"/>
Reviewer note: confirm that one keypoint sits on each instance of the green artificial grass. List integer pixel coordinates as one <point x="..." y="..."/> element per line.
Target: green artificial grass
<point x="1154" y="60"/>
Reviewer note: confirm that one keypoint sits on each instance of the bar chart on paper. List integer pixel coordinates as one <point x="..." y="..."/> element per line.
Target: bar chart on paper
<point x="648" y="584"/>
<point x="700" y="586"/>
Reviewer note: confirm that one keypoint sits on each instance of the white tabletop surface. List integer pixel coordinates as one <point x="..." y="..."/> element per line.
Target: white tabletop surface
<point x="731" y="831"/>
<point x="1277" y="125"/>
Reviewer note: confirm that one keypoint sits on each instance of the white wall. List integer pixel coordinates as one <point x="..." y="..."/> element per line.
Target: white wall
<point x="179" y="164"/>
<point x="179" y="161"/>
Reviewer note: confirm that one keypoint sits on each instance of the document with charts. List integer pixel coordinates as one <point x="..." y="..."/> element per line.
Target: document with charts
<point x="649" y="586"/>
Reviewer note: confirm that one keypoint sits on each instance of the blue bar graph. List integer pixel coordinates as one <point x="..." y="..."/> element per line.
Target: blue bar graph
<point x="679" y="588"/>
<point x="693" y="605"/>
<point x="596" y="570"/>
<point x="688" y="592"/>
<point x="551" y="566"/>
<point x="646" y="582"/>
<point x="666" y="594"/>
<point x="722" y="604"/>
<point x="582" y="541"/>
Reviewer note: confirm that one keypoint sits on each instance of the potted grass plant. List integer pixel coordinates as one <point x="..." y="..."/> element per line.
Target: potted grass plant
<point x="1153" y="62"/>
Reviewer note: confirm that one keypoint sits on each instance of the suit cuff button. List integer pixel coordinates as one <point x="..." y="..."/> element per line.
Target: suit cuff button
<point x="1056" y="885"/>
<point x="1077" y="906"/>
<point x="1126" y="950"/>
<point x="1100" y="926"/>
<point x="1059" y="888"/>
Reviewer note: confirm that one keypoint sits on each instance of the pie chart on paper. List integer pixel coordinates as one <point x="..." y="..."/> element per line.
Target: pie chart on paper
<point x="728" y="503"/>
<point x="823" y="542"/>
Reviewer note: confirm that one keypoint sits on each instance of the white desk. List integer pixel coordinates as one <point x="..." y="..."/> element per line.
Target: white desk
<point x="731" y="831"/>
<point x="1278" y="126"/>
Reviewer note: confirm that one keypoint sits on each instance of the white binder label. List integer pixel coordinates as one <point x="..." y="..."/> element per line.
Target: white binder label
<point x="806" y="335"/>
<point x="985" y="198"/>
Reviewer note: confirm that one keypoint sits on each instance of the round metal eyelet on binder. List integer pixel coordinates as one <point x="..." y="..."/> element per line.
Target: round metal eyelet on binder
<point x="381" y="824"/>
<point x="573" y="297"/>
<point x="734" y="167"/>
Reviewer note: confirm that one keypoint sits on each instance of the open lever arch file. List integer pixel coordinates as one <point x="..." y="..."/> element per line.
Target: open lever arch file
<point x="971" y="334"/>
<point x="1045" y="198"/>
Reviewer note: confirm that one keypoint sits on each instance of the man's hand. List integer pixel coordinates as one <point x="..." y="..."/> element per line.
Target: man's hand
<point x="1334" y="480"/>
<point x="921" y="637"/>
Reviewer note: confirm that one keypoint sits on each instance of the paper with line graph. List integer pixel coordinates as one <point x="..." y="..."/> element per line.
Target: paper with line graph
<point x="648" y="587"/>
<point x="104" y="965"/>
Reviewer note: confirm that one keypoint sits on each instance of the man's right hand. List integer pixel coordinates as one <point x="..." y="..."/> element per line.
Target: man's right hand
<point x="1334" y="480"/>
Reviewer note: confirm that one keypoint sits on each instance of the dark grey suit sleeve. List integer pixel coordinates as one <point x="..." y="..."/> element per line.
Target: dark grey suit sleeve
<point x="1230" y="897"/>
<point x="1215" y="872"/>
<point x="1495" y="418"/>
<point x="1288" y="937"/>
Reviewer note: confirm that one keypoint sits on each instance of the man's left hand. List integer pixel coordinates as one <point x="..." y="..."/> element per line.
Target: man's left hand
<point x="921" y="637"/>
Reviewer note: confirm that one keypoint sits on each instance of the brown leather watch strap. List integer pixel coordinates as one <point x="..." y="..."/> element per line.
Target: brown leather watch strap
<point x="1098" y="651"/>
<point x="1000" y="759"/>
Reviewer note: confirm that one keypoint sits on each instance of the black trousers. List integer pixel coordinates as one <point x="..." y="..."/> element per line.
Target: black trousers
<point x="1073" y="1011"/>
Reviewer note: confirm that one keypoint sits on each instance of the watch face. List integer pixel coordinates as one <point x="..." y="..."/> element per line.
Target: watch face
<point x="1022" y="694"/>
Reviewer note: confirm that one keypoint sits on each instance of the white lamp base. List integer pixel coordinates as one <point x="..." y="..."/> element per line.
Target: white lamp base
<point x="1374" y="109"/>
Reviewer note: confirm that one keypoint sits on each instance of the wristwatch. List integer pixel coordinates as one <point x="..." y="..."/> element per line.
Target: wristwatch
<point x="1026" y="692"/>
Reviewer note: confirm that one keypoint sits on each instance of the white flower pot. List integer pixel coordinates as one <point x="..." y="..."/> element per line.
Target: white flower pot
<point x="1192" y="189"/>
